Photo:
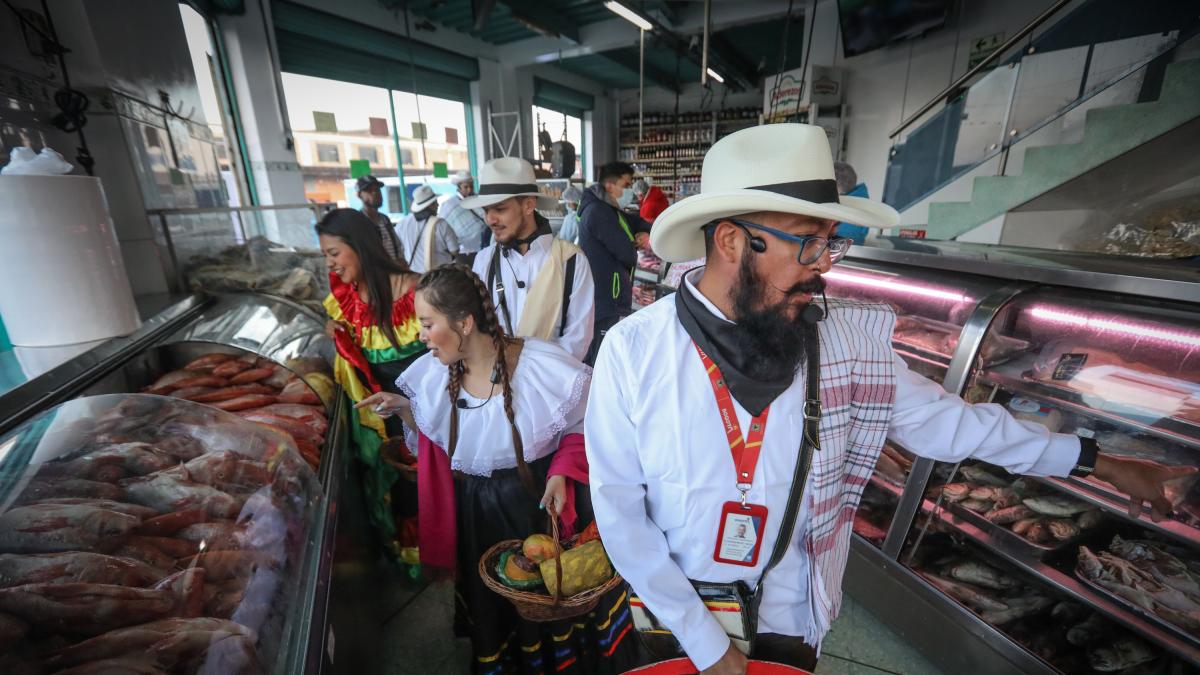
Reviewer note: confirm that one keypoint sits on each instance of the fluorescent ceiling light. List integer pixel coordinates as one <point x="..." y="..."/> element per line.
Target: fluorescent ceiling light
<point x="628" y="14"/>
<point x="713" y="74"/>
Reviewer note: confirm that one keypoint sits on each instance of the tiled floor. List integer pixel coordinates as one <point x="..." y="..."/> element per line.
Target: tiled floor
<point x="418" y="639"/>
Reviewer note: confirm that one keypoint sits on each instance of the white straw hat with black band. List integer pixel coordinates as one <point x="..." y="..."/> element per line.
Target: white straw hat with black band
<point x="423" y="197"/>
<point x="461" y="177"/>
<point x="505" y="178"/>
<point x="784" y="168"/>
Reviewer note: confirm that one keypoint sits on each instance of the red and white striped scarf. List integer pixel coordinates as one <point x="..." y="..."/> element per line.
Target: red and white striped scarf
<point x="858" y="391"/>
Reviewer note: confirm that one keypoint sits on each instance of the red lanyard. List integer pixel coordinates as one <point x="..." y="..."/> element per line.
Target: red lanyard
<point x="745" y="450"/>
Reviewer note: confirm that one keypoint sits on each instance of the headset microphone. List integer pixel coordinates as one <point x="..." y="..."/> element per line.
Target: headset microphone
<point x="520" y="284"/>
<point x="462" y="403"/>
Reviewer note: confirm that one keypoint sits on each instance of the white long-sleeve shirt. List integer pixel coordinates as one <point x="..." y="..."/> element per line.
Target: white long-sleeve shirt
<point x="514" y="267"/>
<point x="661" y="469"/>
<point x="414" y="237"/>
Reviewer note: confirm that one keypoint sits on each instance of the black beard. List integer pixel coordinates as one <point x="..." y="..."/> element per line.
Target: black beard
<point x="766" y="336"/>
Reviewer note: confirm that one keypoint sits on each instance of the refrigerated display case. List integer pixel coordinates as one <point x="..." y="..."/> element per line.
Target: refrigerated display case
<point x="146" y="532"/>
<point x="281" y="347"/>
<point x="1019" y="574"/>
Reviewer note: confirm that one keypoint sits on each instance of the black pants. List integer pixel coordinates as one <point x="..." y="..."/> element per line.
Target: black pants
<point x="784" y="649"/>
<point x="600" y="329"/>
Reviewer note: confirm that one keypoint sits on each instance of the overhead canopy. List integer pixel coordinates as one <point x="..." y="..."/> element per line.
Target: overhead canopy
<point x="561" y="98"/>
<point x="319" y="44"/>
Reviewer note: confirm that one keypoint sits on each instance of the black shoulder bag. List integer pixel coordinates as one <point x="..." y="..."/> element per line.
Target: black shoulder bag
<point x="735" y="605"/>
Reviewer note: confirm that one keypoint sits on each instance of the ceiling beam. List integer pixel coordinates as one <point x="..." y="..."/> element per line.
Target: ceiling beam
<point x="733" y="60"/>
<point x="481" y="10"/>
<point x="537" y="19"/>
<point x="734" y="79"/>
<point x="654" y="74"/>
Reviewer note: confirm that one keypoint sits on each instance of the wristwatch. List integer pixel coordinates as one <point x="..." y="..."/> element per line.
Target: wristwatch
<point x="1086" y="464"/>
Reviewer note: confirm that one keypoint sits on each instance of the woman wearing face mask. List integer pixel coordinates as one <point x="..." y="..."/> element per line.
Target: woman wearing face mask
<point x="374" y="325"/>
<point x="610" y="238"/>
<point x="497" y="422"/>
<point x="569" y="231"/>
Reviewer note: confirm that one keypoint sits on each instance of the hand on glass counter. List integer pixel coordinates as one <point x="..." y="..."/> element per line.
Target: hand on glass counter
<point x="1143" y="480"/>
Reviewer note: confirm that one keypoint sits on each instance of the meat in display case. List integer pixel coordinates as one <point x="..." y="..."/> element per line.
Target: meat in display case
<point x="143" y="533"/>
<point x="1068" y="569"/>
<point x="931" y="310"/>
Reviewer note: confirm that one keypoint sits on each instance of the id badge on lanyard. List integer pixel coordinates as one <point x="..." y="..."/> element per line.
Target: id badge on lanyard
<point x="741" y="527"/>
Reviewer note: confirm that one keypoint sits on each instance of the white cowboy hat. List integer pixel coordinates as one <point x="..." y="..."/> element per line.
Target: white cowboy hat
<point x="423" y="198"/>
<point x="505" y="178"/>
<point x="461" y="177"/>
<point x="785" y="168"/>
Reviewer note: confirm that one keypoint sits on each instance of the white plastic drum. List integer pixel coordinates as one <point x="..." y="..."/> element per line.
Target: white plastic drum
<point x="62" y="281"/>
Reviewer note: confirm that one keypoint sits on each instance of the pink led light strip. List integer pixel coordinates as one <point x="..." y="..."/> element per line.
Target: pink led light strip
<point x="901" y="287"/>
<point x="1096" y="323"/>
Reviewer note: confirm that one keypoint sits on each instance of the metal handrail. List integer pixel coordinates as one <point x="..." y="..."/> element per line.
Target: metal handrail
<point x="957" y="85"/>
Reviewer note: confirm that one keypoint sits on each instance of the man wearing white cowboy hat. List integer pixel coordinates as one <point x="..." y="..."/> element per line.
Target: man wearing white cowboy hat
<point x="428" y="240"/>
<point x="676" y="385"/>
<point x="468" y="224"/>
<point x="542" y="286"/>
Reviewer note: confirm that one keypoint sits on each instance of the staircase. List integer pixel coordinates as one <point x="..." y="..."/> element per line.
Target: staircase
<point x="1108" y="134"/>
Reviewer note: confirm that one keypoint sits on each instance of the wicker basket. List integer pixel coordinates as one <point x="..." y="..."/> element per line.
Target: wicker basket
<point x="542" y="607"/>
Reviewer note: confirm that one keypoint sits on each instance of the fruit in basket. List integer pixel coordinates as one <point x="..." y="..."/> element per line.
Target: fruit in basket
<point x="590" y="533"/>
<point x="583" y="568"/>
<point x="539" y="548"/>
<point x="513" y="575"/>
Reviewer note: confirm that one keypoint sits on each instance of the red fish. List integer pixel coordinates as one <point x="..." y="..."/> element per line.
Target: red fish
<point x="298" y="391"/>
<point x="75" y="567"/>
<point x="252" y="375"/>
<point x="231" y="392"/>
<point x="245" y="402"/>
<point x="207" y="362"/>
<point x="231" y="368"/>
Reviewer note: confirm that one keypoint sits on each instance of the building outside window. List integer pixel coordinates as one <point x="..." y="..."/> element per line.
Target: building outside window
<point x="337" y="122"/>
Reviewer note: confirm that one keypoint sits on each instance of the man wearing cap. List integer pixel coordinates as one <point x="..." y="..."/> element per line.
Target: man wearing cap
<point x="370" y="192"/>
<point x="468" y="224"/>
<point x="677" y="384"/>
<point x="428" y="240"/>
<point x="541" y="286"/>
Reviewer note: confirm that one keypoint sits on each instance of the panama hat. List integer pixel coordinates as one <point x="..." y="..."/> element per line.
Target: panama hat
<point x="505" y="178"/>
<point x="461" y="177"/>
<point x="784" y="168"/>
<point x="423" y="197"/>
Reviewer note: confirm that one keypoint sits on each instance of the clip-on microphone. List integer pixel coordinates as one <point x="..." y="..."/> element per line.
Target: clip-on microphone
<point x="813" y="314"/>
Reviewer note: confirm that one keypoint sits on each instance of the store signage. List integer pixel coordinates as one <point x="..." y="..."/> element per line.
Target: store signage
<point x="981" y="48"/>
<point x="440" y="170"/>
<point x="783" y="92"/>
<point x="906" y="233"/>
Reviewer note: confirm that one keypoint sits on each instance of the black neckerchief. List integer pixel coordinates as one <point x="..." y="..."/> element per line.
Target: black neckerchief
<point x="543" y="228"/>
<point x="719" y="338"/>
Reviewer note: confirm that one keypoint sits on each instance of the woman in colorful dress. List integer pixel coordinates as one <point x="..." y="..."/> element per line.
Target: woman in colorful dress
<point x="498" y="425"/>
<point x="374" y="326"/>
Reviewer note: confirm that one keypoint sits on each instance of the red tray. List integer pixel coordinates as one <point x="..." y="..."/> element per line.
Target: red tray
<point x="685" y="667"/>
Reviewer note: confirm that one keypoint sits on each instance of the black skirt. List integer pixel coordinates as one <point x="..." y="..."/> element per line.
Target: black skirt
<point x="500" y="507"/>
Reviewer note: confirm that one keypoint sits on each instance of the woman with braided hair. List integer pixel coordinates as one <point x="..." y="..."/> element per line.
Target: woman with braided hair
<point x="497" y="422"/>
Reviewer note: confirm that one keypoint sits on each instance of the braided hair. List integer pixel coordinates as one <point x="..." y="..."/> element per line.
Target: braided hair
<point x="457" y="292"/>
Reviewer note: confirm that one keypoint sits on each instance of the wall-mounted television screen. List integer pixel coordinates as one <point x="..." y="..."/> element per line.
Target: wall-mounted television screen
<point x="871" y="24"/>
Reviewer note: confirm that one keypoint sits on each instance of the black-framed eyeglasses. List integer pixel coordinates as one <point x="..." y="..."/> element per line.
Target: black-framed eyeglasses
<point x="812" y="247"/>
